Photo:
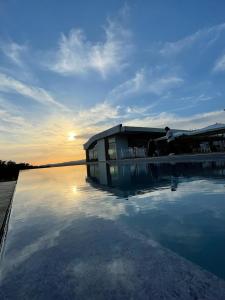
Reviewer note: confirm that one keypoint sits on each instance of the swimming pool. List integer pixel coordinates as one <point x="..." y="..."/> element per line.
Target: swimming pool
<point x="127" y="231"/>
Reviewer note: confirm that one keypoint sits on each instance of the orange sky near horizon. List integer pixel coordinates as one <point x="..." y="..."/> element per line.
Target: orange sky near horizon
<point x="50" y="144"/>
<point x="44" y="156"/>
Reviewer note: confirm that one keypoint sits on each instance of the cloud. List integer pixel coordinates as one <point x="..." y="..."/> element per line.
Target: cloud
<point x="14" y="51"/>
<point x="220" y="64"/>
<point x="76" y="55"/>
<point x="40" y="95"/>
<point x="143" y="83"/>
<point x="10" y="119"/>
<point x="175" y="121"/>
<point x="143" y="110"/>
<point x="208" y="35"/>
<point x="97" y="114"/>
<point x="105" y="115"/>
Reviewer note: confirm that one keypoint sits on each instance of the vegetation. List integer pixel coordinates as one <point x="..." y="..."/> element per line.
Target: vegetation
<point x="9" y="170"/>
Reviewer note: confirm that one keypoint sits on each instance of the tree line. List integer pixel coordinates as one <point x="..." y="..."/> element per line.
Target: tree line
<point x="9" y="170"/>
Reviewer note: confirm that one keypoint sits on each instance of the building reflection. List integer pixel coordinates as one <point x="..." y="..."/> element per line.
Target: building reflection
<point x="125" y="180"/>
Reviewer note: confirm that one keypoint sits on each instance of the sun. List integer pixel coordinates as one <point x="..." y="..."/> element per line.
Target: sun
<point x="71" y="136"/>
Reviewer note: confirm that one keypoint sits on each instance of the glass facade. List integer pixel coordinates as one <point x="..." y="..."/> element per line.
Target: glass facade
<point x="112" y="148"/>
<point x="93" y="154"/>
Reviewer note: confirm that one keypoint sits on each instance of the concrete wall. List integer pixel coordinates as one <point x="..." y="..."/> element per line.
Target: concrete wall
<point x="121" y="144"/>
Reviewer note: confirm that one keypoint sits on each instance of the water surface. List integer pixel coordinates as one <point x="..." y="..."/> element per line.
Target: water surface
<point x="117" y="232"/>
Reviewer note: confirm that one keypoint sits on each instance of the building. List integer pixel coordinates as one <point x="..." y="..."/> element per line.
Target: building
<point x="121" y="142"/>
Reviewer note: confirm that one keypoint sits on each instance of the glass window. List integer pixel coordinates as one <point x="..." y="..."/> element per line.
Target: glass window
<point x="111" y="140"/>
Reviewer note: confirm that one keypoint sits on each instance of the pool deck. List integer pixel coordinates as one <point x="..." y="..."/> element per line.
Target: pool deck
<point x="6" y="194"/>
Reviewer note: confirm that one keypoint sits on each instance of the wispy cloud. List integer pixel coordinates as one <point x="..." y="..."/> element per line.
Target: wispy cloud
<point x="101" y="117"/>
<point x="40" y="95"/>
<point x="144" y="82"/>
<point x="77" y="55"/>
<point x="97" y="114"/>
<point x="181" y="122"/>
<point x="207" y="35"/>
<point x="220" y="64"/>
<point x="141" y="110"/>
<point x="14" y="51"/>
<point x="10" y="119"/>
<point x="13" y="125"/>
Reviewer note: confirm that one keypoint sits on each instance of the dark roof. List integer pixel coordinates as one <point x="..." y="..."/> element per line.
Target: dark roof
<point x="122" y="129"/>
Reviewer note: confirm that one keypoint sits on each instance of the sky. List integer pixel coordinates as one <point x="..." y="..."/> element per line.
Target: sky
<point x="69" y="69"/>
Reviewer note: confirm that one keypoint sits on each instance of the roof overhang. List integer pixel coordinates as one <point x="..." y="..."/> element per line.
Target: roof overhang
<point x="123" y="129"/>
<point x="103" y="134"/>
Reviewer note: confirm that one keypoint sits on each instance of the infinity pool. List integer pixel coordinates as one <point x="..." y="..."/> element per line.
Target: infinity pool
<point x="129" y="231"/>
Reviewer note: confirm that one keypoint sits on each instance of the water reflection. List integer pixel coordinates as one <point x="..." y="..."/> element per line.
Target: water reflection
<point x="74" y="189"/>
<point x="73" y="234"/>
<point x="130" y="179"/>
<point x="181" y="206"/>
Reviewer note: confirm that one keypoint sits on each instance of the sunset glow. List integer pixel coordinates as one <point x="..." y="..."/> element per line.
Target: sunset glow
<point x="71" y="136"/>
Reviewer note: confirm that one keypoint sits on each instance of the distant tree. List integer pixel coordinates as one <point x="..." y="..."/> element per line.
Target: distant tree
<point x="9" y="170"/>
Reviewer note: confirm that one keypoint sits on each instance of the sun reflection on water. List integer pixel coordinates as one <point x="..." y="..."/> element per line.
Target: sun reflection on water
<point x="74" y="189"/>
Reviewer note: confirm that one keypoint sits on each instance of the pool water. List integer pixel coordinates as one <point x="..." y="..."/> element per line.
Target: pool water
<point x="127" y="231"/>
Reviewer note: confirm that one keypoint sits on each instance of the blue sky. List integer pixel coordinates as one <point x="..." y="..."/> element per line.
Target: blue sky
<point x="71" y="68"/>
